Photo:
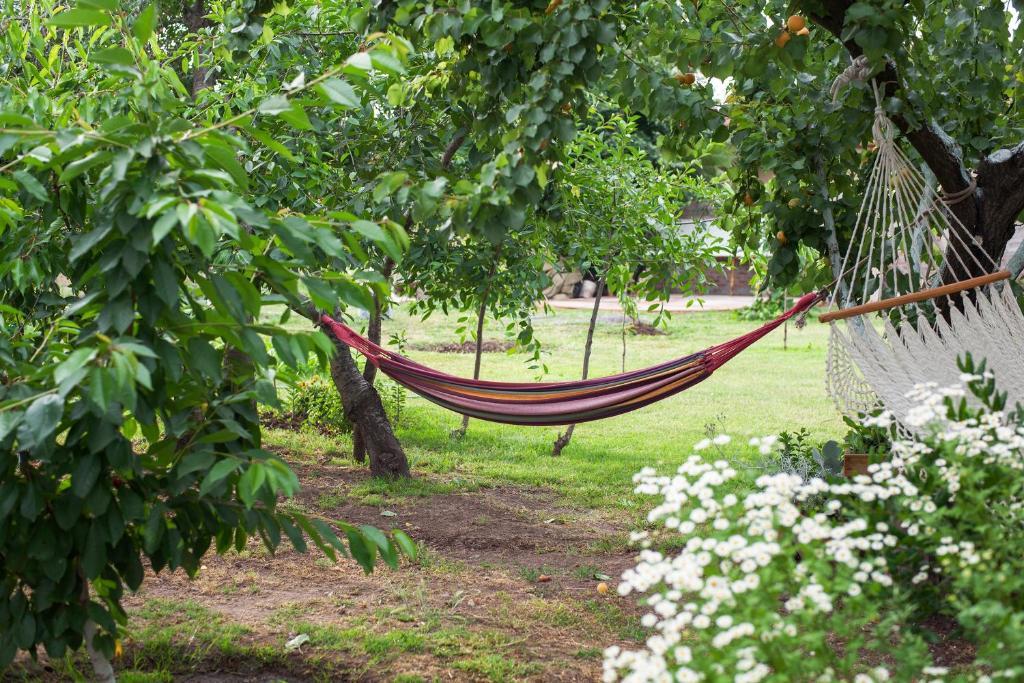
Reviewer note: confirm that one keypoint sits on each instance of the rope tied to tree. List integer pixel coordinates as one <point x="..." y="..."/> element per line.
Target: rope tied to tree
<point x="859" y="70"/>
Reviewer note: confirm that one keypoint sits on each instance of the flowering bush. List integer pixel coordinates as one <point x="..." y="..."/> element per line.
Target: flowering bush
<point x="767" y="588"/>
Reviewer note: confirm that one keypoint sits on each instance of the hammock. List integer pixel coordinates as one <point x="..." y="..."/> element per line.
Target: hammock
<point x="916" y="294"/>
<point x="556" y="403"/>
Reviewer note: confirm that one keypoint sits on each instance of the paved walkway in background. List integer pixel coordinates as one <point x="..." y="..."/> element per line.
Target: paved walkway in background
<point x="676" y="304"/>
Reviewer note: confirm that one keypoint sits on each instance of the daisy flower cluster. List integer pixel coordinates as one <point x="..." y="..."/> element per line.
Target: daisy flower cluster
<point x="771" y="577"/>
<point x="753" y="575"/>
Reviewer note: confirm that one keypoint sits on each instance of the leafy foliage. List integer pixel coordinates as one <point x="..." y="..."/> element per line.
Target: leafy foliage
<point x="618" y="214"/>
<point x="315" y="401"/>
<point x="135" y="265"/>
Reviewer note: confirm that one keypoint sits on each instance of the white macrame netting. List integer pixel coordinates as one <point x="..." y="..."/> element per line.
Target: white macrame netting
<point x="906" y="240"/>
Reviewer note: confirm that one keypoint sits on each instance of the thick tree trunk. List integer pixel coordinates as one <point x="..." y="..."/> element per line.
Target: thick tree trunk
<point x="373" y="333"/>
<point x="364" y="410"/>
<point x="363" y="407"/>
<point x="563" y="439"/>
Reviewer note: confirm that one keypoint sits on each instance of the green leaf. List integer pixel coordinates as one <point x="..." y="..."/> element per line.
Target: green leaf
<point x="8" y="421"/>
<point x="377" y="537"/>
<point x="405" y="544"/>
<point x="85" y="474"/>
<point x="250" y="482"/>
<point x="293" y="533"/>
<point x="369" y="229"/>
<point x="271" y="143"/>
<point x="80" y="17"/>
<point x="145" y="23"/>
<point x="296" y="116"/>
<point x="225" y="158"/>
<point x="113" y="55"/>
<point x="362" y="549"/>
<point x="42" y="417"/>
<point x="340" y="92"/>
<point x="314" y="536"/>
<point x="31" y="185"/>
<point x="72" y="370"/>
<point x="77" y="168"/>
<point x="275" y="104"/>
<point x="153" y="532"/>
<point x="217" y="473"/>
<point x="95" y="555"/>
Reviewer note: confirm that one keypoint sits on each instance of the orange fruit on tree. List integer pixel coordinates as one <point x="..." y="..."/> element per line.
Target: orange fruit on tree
<point x="796" y="23"/>
<point x="747" y="199"/>
<point x="783" y="38"/>
<point x="552" y="6"/>
<point x="781" y="237"/>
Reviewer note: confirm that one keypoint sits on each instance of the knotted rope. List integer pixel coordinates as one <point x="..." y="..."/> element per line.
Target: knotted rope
<point x="858" y="70"/>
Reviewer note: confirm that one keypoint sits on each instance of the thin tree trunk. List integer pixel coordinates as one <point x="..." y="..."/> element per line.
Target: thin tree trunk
<point x="480" y="316"/>
<point x="101" y="666"/>
<point x="373" y="333"/>
<point x="194" y="18"/>
<point x="623" y="340"/>
<point x="563" y="439"/>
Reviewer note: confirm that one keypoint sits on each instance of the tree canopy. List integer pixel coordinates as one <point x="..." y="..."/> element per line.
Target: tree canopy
<point x="165" y="183"/>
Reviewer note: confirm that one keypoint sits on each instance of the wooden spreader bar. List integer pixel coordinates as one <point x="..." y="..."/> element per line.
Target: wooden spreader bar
<point x="916" y="297"/>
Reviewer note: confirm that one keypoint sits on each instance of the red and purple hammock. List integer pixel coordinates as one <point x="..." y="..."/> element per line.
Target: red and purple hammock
<point x="556" y="403"/>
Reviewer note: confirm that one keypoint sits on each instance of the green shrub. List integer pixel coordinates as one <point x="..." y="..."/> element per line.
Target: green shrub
<point x="767" y="588"/>
<point x="314" y="401"/>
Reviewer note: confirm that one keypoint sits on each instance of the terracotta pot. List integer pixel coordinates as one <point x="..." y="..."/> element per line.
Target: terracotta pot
<point x="854" y="464"/>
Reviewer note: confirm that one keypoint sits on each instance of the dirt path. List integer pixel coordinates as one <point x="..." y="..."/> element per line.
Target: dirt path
<point x="506" y="589"/>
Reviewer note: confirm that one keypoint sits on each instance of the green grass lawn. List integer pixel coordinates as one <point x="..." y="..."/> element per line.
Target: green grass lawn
<point x="765" y="390"/>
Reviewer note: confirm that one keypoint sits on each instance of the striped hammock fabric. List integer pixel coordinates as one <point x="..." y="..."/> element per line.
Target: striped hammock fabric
<point x="556" y="403"/>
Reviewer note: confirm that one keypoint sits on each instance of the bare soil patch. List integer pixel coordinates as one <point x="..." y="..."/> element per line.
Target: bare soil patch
<point x="472" y="608"/>
<point x="489" y="346"/>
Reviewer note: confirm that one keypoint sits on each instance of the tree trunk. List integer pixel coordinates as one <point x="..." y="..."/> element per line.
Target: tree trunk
<point x="363" y="407"/>
<point x="480" y="315"/>
<point x="563" y="439"/>
<point x="194" y="18"/>
<point x="101" y="666"/>
<point x="373" y="332"/>
<point x="364" y="410"/>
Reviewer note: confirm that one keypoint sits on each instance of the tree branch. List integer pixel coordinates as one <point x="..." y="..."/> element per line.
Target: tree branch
<point x="451" y="149"/>
<point x="1002" y="175"/>
<point x="938" y="149"/>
